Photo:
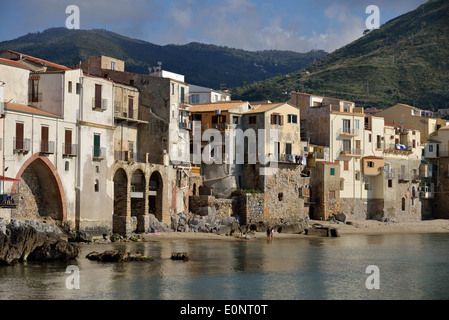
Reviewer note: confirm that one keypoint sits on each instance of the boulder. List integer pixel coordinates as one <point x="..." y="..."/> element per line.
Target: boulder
<point x="29" y="240"/>
<point x="184" y="256"/>
<point x="117" y="256"/>
<point x="341" y="217"/>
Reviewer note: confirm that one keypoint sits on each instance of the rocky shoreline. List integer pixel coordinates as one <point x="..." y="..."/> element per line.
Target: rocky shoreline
<point x="31" y="241"/>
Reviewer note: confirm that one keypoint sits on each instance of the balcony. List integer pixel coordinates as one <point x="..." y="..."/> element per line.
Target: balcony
<point x="289" y="158"/>
<point x="21" y="145"/>
<point x="99" y="104"/>
<point x="185" y="125"/>
<point x="348" y="152"/>
<point x="426" y="195"/>
<point x="98" y="153"/>
<point x="7" y="201"/>
<point x="47" y="147"/>
<point x="404" y="177"/>
<point x="348" y="132"/>
<point x="398" y="148"/>
<point x="69" y="150"/>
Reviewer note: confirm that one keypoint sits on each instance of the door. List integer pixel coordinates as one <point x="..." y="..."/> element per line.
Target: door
<point x="68" y="142"/>
<point x="97" y="151"/>
<point x="130" y="107"/>
<point x="44" y="139"/>
<point x="347" y="126"/>
<point x="98" y="96"/>
<point x="19" y="136"/>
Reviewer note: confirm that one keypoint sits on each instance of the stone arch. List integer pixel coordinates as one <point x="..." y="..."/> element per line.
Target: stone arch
<point x="137" y="196"/>
<point x="120" y="192"/>
<point x="39" y="190"/>
<point x="155" y="195"/>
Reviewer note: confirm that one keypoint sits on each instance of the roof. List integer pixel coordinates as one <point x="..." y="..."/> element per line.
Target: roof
<point x="210" y="107"/>
<point x="406" y="105"/>
<point x="314" y="95"/>
<point x="28" y="109"/>
<point x="444" y="128"/>
<point x="13" y="63"/>
<point x="393" y="124"/>
<point x="373" y="157"/>
<point x="327" y="162"/>
<point x="264" y="107"/>
<point x="40" y="61"/>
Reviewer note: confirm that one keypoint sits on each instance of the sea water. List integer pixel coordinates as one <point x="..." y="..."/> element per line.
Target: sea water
<point x="410" y="266"/>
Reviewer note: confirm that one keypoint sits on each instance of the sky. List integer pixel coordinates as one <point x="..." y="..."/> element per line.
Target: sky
<point x="253" y="25"/>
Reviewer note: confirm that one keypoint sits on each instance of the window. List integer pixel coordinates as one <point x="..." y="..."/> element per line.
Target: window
<point x="280" y="196"/>
<point x="195" y="98"/>
<point x="97" y="186"/>
<point x="357" y="124"/>
<point x="293" y="118"/>
<point x="369" y="138"/>
<point x="342" y="184"/>
<point x="70" y="87"/>
<point x="78" y="88"/>
<point x="414" y="143"/>
<point x="370" y="164"/>
<point x="34" y="90"/>
<point x="172" y="88"/>
<point x="97" y="169"/>
<point x="331" y="194"/>
<point x="277" y="119"/>
<point x="346" y="165"/>
<point x="390" y="183"/>
<point x="252" y="120"/>
<point x="288" y="148"/>
<point x="332" y="172"/>
<point x="112" y="65"/>
<point x="403" y="204"/>
<point x="66" y="166"/>
<point x="430" y="148"/>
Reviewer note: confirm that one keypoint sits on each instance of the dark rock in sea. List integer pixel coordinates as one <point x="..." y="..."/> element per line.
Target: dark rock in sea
<point x="180" y="256"/>
<point x="30" y="241"/>
<point x="117" y="256"/>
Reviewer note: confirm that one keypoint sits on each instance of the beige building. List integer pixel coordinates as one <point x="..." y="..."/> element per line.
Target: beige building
<point x="422" y="120"/>
<point x="366" y="148"/>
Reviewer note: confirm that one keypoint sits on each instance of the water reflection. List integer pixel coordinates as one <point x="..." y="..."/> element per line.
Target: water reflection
<point x="411" y="267"/>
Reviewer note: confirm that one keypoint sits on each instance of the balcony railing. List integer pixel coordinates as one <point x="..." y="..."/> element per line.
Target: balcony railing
<point x="185" y="125"/>
<point x="398" y="147"/>
<point x="348" y="132"/>
<point x="98" y="153"/>
<point x="404" y="176"/>
<point x="47" y="147"/>
<point x="70" y="150"/>
<point x="289" y="158"/>
<point x="349" y="152"/>
<point x="22" y="145"/>
<point x="99" y="104"/>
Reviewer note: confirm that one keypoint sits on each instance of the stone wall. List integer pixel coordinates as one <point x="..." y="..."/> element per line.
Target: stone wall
<point x="251" y="208"/>
<point x="209" y="205"/>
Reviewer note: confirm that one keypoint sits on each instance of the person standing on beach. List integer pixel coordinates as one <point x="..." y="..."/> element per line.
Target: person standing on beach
<point x="268" y="233"/>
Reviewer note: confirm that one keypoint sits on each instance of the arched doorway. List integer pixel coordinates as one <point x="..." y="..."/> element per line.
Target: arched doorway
<point x="39" y="193"/>
<point x="137" y="198"/>
<point x="120" y="218"/>
<point x="155" y="195"/>
<point x="120" y="192"/>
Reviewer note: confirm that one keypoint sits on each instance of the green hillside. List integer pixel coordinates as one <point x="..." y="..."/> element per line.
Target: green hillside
<point x="202" y="64"/>
<point x="406" y="60"/>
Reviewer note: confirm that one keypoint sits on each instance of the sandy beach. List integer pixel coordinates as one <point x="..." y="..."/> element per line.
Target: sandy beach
<point x="356" y="227"/>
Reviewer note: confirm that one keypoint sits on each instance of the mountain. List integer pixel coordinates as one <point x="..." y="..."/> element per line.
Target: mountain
<point x="406" y="60"/>
<point x="202" y="64"/>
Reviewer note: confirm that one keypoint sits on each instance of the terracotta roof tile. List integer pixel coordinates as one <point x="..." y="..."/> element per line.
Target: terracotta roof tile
<point x="28" y="109"/>
<point x="13" y="63"/>
<point x="209" y="107"/>
<point x="264" y="107"/>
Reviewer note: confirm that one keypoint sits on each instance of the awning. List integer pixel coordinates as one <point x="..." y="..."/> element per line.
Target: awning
<point x="2" y="178"/>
